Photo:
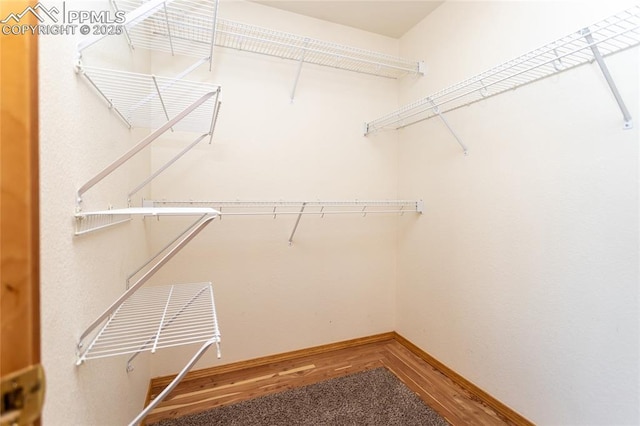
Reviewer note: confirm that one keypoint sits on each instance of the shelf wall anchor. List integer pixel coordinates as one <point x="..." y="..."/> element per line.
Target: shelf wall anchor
<point x="628" y="123"/>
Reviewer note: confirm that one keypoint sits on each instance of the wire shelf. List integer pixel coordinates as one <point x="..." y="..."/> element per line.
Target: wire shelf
<point x="179" y="27"/>
<point x="149" y="101"/>
<point x="87" y="222"/>
<point x="275" y="208"/>
<point x="611" y="35"/>
<point x="250" y="38"/>
<point x="157" y="317"/>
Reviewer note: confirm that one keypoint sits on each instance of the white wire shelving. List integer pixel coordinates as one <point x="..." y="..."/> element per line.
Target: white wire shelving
<point x="251" y="38"/>
<point x="297" y="208"/>
<point x="157" y="317"/>
<point x="153" y="318"/>
<point x="279" y="207"/>
<point x="611" y="35"/>
<point x="86" y="222"/>
<point x="179" y="27"/>
<point x="149" y="101"/>
<point x="192" y="103"/>
<point x="87" y="342"/>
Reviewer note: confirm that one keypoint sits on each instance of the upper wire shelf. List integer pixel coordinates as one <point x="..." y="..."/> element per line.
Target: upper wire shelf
<point x="157" y="317"/>
<point x="183" y="27"/>
<point x="251" y="38"/>
<point x="149" y="101"/>
<point x="611" y="35"/>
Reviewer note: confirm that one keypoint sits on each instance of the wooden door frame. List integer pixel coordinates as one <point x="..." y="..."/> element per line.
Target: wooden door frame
<point x="19" y="199"/>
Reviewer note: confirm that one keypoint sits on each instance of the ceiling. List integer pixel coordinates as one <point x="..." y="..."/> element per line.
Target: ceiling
<point x="386" y="17"/>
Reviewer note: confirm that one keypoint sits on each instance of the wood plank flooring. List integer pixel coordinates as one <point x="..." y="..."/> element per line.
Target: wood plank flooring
<point x="216" y="387"/>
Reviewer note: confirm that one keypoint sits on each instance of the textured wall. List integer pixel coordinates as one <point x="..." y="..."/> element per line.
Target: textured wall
<point x="523" y="273"/>
<point x="82" y="276"/>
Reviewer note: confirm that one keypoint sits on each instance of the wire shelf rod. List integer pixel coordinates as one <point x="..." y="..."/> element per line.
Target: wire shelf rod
<point x="275" y="208"/>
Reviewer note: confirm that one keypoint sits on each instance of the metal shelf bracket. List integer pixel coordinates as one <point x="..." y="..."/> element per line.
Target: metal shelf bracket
<point x="628" y="123"/>
<point x="436" y="110"/>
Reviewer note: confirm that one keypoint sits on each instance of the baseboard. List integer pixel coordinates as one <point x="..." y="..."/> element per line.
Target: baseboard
<point x="483" y="396"/>
<point x="271" y="359"/>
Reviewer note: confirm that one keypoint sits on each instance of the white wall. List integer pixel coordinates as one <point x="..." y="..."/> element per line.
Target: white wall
<point x="82" y="276"/>
<point x="523" y="273"/>
<point x="337" y="280"/>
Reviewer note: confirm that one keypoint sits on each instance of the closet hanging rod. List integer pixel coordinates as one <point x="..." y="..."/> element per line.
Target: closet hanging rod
<point x="611" y="35"/>
<point x="317" y="207"/>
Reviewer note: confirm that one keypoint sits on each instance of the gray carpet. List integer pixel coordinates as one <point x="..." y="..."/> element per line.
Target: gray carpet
<point x="374" y="397"/>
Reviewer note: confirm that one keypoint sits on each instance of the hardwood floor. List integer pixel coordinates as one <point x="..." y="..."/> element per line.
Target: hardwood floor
<point x="218" y="386"/>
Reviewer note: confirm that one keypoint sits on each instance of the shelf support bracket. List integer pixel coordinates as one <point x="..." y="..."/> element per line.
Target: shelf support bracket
<point x="436" y="110"/>
<point x="165" y="166"/>
<point x="295" y="82"/>
<point x="164" y="108"/>
<point x="213" y="35"/>
<point x="166" y="20"/>
<point x="162" y="395"/>
<point x="115" y="8"/>
<point x="628" y="123"/>
<point x="295" y="227"/>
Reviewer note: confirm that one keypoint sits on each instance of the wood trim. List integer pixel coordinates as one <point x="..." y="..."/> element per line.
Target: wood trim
<point x="271" y="359"/>
<point x="465" y="384"/>
<point x="19" y="205"/>
<point x="492" y="402"/>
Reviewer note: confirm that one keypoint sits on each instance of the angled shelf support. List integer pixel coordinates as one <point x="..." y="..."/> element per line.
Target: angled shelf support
<point x="611" y="35"/>
<point x="628" y="123"/>
<point x="162" y="395"/>
<point x="436" y="109"/>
